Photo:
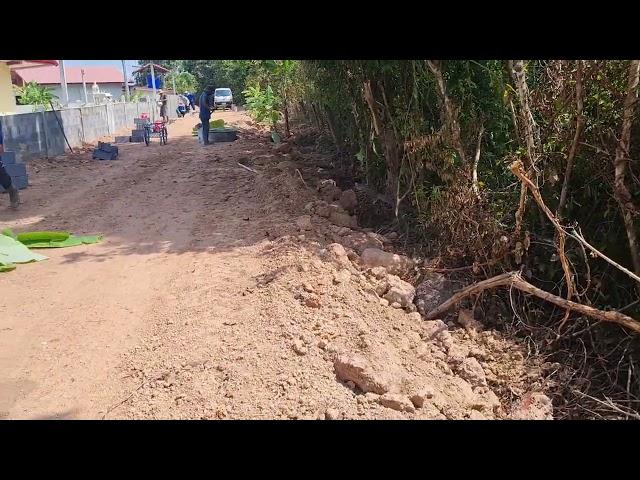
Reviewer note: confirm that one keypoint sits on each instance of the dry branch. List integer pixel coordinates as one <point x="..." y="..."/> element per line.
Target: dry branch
<point x="513" y="279"/>
<point x="518" y="171"/>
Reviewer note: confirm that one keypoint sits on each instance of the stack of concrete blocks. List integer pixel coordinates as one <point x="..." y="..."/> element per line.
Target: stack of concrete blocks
<point x="105" y="151"/>
<point x="17" y="171"/>
<point x="137" y="135"/>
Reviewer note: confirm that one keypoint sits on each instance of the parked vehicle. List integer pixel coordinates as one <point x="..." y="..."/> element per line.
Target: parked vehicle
<point x="222" y="98"/>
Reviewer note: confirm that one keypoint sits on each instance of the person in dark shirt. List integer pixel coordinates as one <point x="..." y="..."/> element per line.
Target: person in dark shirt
<point x="192" y="100"/>
<point x="5" y="179"/>
<point x="205" y="113"/>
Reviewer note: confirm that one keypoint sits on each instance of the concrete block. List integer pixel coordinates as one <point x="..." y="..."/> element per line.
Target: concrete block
<point x="16" y="169"/>
<point x="105" y="151"/>
<point x="104" y="155"/>
<point x="107" y="147"/>
<point x="8" y="158"/>
<point x="122" y="139"/>
<point x="137" y="135"/>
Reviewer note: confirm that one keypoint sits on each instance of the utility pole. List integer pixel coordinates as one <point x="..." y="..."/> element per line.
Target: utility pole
<point x="126" y="81"/>
<point x="155" y="100"/>
<point x="84" y="87"/>
<point x="173" y="77"/>
<point x="63" y="84"/>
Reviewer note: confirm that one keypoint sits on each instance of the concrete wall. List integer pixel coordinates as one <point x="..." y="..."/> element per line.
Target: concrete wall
<point x="38" y="134"/>
<point x="31" y="134"/>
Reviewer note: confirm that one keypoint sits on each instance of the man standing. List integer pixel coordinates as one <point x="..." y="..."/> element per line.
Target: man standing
<point x="5" y="179"/>
<point x="163" y="106"/>
<point x="205" y="113"/>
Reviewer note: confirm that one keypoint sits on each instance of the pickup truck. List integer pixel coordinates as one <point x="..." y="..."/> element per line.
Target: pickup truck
<point x="222" y="98"/>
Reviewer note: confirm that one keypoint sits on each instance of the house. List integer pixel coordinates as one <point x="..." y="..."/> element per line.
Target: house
<point x="110" y="80"/>
<point x="7" y="69"/>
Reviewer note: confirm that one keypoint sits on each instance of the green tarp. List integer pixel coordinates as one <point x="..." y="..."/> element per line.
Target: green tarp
<point x="71" y="241"/>
<point x="12" y="251"/>
<point x="15" y="248"/>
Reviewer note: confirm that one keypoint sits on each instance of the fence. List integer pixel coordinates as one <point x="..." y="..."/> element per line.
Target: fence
<point x="39" y="134"/>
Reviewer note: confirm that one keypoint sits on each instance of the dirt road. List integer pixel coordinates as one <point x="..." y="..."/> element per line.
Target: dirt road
<point x="190" y="307"/>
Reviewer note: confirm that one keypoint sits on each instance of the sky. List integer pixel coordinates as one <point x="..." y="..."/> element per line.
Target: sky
<point x="131" y="64"/>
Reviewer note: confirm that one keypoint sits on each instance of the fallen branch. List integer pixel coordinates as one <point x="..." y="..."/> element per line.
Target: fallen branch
<point x="247" y="168"/>
<point x="513" y="279"/>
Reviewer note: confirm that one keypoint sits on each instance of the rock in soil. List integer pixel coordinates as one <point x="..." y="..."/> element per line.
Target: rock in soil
<point x="399" y="291"/>
<point x="475" y="415"/>
<point x="359" y="242"/>
<point x="420" y="398"/>
<point x="379" y="272"/>
<point x="471" y="371"/>
<point x="329" y="192"/>
<point x="533" y="406"/>
<point x="357" y="369"/>
<point x="397" y="402"/>
<point x="321" y="208"/>
<point x="348" y="200"/>
<point x="312" y="301"/>
<point x="332" y="414"/>
<point x="431" y="292"/>
<point x="394" y="263"/>
<point x="299" y="347"/>
<point x="436" y="331"/>
<point x="343" y="219"/>
<point x="304" y="222"/>
<point x="342" y="276"/>
<point x="466" y="319"/>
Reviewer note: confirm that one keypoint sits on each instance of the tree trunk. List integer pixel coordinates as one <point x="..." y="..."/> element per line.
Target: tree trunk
<point x="621" y="164"/>
<point x="576" y="138"/>
<point x="287" y="131"/>
<point x="332" y="129"/>
<point x="516" y="69"/>
<point x="450" y="111"/>
<point x="476" y="161"/>
<point x="316" y="115"/>
<point x="384" y="131"/>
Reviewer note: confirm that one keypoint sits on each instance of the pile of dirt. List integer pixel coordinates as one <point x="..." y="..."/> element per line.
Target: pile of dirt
<point x="324" y="326"/>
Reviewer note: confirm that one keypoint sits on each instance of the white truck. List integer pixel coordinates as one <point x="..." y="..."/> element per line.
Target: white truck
<point x="222" y="98"/>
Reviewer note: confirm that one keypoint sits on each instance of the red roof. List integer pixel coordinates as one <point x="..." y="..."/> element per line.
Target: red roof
<point x="18" y="64"/>
<point x="51" y="75"/>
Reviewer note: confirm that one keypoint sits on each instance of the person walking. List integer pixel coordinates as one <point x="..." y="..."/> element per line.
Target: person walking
<point x="205" y="113"/>
<point x="192" y="100"/>
<point x="5" y="179"/>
